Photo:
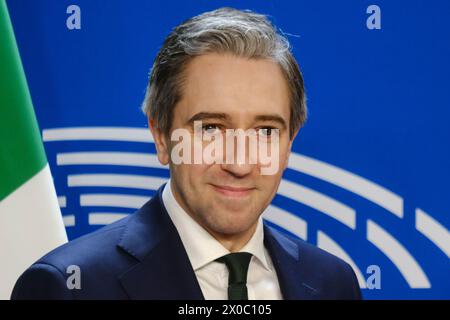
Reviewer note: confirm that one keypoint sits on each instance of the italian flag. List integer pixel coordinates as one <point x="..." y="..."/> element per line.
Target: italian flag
<point x="30" y="219"/>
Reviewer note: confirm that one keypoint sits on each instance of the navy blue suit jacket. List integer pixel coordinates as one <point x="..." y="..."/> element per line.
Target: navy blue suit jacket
<point x="142" y="257"/>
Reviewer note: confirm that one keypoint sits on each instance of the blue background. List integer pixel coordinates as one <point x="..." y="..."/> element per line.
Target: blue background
<point x="378" y="100"/>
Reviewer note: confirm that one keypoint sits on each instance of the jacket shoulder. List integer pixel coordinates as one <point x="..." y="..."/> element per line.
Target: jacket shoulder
<point x="41" y="281"/>
<point x="97" y="258"/>
<point x="92" y="247"/>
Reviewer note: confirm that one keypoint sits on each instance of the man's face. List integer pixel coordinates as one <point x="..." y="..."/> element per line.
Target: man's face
<point x="228" y="92"/>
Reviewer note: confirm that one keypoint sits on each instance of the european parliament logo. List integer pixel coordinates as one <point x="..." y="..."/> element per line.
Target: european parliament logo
<point x="103" y="174"/>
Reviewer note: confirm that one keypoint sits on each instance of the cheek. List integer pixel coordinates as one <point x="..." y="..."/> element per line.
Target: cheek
<point x="279" y="156"/>
<point x="272" y="181"/>
<point x="192" y="174"/>
<point x="285" y="151"/>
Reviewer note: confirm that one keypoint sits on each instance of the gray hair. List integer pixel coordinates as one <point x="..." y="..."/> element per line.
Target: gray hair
<point x="225" y="30"/>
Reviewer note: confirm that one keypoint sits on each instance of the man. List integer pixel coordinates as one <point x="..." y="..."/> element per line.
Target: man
<point x="201" y="235"/>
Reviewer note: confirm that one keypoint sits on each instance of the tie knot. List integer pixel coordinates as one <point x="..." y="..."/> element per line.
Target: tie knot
<point x="237" y="264"/>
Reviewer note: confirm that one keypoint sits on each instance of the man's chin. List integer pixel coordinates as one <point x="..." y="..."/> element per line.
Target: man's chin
<point x="239" y="208"/>
<point x="233" y="226"/>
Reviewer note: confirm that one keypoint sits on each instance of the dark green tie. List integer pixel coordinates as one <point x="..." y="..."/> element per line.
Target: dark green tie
<point x="237" y="264"/>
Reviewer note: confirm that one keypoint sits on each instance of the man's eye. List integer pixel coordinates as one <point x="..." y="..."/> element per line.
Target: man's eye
<point x="266" y="131"/>
<point x="211" y="128"/>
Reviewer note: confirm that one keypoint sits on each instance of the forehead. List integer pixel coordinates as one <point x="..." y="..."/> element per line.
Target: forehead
<point x="237" y="86"/>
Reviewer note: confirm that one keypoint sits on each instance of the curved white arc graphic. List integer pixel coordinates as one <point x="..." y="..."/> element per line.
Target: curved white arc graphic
<point x="112" y="200"/>
<point x="69" y="220"/>
<point x="433" y="230"/>
<point x="115" y="180"/>
<point x="104" y="218"/>
<point x="318" y="201"/>
<point x="97" y="133"/>
<point x="287" y="221"/>
<point x="328" y="244"/>
<point x="402" y="259"/>
<point x="349" y="181"/>
<point x="109" y="158"/>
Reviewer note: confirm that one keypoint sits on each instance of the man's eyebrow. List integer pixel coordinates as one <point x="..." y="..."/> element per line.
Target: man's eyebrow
<point x="272" y="117"/>
<point x="208" y="115"/>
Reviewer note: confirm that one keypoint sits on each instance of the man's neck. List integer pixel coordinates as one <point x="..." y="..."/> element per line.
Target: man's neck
<point x="233" y="242"/>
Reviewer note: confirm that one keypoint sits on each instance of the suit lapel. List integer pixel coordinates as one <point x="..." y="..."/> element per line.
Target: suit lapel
<point x="163" y="270"/>
<point x="291" y="274"/>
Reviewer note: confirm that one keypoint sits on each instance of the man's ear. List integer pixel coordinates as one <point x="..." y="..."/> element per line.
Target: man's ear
<point x="161" y="143"/>
<point x="289" y="149"/>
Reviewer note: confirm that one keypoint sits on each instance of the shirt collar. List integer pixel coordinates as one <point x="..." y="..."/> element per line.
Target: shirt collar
<point x="201" y="247"/>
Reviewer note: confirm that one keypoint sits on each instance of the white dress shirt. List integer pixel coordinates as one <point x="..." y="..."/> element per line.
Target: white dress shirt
<point x="203" y="249"/>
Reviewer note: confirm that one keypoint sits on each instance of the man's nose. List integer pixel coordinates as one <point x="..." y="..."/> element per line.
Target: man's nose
<point x="238" y="169"/>
<point x="239" y="165"/>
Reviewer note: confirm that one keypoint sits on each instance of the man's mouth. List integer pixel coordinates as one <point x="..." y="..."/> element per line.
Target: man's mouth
<point x="233" y="191"/>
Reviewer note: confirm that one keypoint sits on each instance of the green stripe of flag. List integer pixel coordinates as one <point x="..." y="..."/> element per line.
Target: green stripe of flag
<point x="21" y="151"/>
